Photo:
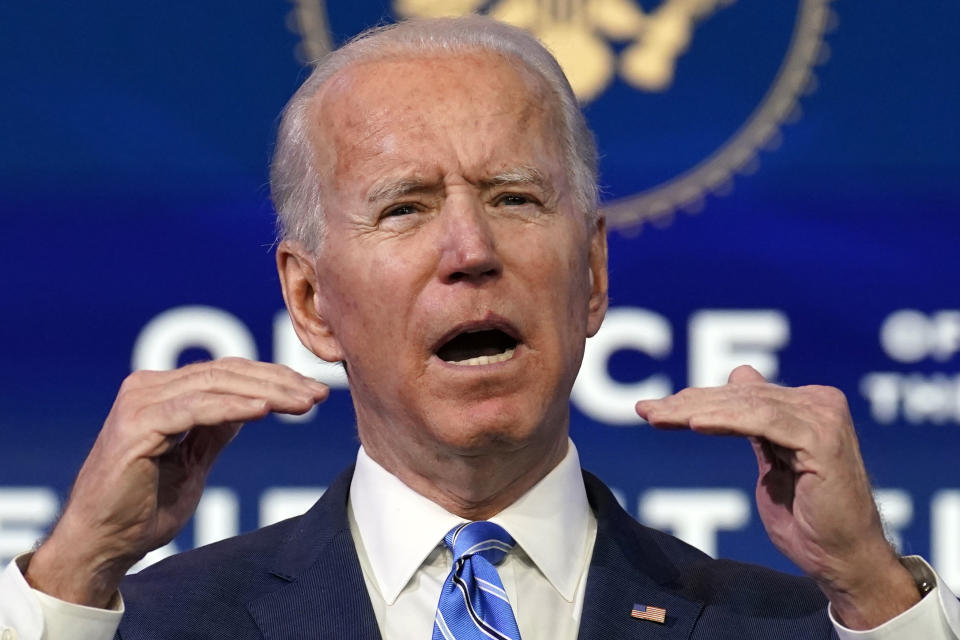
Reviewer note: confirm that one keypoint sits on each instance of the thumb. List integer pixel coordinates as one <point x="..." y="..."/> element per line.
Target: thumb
<point x="745" y="374"/>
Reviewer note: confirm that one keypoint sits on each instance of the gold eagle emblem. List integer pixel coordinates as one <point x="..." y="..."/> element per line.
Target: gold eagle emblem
<point x="580" y="33"/>
<point x="597" y="40"/>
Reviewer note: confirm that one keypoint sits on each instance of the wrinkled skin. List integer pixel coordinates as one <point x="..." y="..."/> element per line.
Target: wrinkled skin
<point x="449" y="209"/>
<point x="813" y="493"/>
<point x="427" y="232"/>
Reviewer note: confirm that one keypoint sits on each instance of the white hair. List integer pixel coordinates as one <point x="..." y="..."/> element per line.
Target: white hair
<point x="294" y="180"/>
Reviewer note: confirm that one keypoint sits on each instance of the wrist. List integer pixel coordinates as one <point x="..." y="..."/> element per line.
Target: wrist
<point x="90" y="579"/>
<point x="872" y="599"/>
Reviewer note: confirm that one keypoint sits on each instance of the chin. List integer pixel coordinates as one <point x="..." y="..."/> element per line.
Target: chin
<point x="497" y="426"/>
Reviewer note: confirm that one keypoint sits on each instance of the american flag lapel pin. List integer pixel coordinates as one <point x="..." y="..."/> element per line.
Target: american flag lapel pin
<point x="646" y="612"/>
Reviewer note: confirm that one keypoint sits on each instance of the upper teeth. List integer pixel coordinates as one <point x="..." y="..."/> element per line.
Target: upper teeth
<point x="500" y="357"/>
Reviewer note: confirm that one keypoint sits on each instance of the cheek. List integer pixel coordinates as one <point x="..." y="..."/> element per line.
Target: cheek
<point x="373" y="300"/>
<point x="558" y="284"/>
<point x="559" y="264"/>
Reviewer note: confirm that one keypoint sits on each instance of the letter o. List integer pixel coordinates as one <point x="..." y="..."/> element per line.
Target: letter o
<point x="166" y="336"/>
<point x="905" y="335"/>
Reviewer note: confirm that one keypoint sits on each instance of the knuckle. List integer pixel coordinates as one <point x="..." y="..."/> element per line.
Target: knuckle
<point x="839" y="419"/>
<point x="129" y="402"/>
<point x="134" y="381"/>
<point x="833" y="406"/>
<point x="127" y="417"/>
<point x="684" y="394"/>
<point x="210" y="375"/>
<point x="769" y="413"/>
<point x="825" y="440"/>
<point x="815" y="432"/>
<point x="700" y="420"/>
<point x="751" y="391"/>
<point x="205" y="376"/>
<point x="835" y="447"/>
<point x="753" y="401"/>
<point x="830" y="396"/>
<point x="287" y="372"/>
<point x="185" y="402"/>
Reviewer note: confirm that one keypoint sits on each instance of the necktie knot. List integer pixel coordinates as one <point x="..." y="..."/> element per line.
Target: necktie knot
<point x="473" y="603"/>
<point x="486" y="539"/>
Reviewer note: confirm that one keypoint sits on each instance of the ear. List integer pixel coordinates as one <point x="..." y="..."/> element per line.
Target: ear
<point x="302" y="294"/>
<point x="598" y="276"/>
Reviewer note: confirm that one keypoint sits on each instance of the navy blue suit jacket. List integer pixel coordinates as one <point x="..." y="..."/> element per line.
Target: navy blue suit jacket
<point x="301" y="578"/>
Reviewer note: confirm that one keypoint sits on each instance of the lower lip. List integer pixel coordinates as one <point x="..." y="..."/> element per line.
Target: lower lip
<point x="517" y="352"/>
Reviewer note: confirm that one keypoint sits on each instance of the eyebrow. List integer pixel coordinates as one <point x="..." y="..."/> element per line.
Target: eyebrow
<point x="392" y="189"/>
<point x="518" y="176"/>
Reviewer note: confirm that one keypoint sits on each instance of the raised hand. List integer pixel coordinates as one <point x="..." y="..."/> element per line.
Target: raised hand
<point x="812" y="493"/>
<point x="146" y="472"/>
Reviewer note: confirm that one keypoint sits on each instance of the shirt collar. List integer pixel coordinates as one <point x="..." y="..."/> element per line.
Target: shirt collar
<point x="399" y="527"/>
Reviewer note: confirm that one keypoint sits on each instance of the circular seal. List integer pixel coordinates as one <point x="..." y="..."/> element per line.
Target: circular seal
<point x="682" y="95"/>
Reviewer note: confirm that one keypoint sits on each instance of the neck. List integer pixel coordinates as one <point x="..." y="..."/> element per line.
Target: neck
<point x="472" y="485"/>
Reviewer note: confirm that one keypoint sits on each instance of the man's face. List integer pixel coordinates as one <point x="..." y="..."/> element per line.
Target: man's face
<point x="456" y="275"/>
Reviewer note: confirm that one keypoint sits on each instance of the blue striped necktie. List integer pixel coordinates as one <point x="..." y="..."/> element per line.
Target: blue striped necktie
<point x="473" y="604"/>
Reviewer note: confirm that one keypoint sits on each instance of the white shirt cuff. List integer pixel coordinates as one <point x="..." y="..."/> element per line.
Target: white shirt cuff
<point x="935" y="617"/>
<point x="33" y="615"/>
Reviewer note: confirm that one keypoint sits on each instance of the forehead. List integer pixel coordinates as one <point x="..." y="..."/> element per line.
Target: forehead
<point x="475" y="104"/>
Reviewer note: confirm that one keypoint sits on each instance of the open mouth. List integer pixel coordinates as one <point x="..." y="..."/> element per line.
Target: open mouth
<point x="473" y="348"/>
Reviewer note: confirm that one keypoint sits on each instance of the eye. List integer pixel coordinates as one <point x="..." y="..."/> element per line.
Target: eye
<point x="514" y="200"/>
<point x="399" y="210"/>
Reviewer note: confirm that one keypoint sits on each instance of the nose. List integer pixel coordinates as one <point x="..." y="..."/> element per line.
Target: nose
<point x="468" y="248"/>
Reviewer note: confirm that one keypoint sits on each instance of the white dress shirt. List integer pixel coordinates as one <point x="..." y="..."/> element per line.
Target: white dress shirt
<point x="399" y="538"/>
<point x="398" y="535"/>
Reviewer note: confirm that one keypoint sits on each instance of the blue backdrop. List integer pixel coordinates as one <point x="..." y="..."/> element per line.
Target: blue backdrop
<point x="781" y="179"/>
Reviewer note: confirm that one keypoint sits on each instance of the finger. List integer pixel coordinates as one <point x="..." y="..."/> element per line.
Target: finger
<point x="279" y="391"/>
<point x="157" y="428"/>
<point x="676" y="410"/>
<point x="266" y="371"/>
<point x="203" y="408"/>
<point x="693" y="400"/>
<point x="726" y="411"/>
<point x="679" y="407"/>
<point x="745" y="374"/>
<point x="771" y="421"/>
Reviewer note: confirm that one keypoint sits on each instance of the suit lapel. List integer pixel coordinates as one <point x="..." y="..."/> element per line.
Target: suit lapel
<point x="325" y="595"/>
<point x="628" y="568"/>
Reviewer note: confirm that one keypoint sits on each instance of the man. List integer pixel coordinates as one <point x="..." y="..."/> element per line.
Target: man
<point x="435" y="183"/>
